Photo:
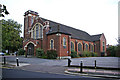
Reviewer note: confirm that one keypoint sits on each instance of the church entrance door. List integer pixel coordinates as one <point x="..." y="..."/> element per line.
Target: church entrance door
<point x="30" y="50"/>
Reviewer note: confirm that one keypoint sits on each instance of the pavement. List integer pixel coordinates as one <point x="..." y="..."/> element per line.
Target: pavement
<point x="59" y="66"/>
<point x="94" y="72"/>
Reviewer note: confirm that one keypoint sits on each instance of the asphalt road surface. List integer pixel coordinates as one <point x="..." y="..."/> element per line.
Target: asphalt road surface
<point x="14" y="73"/>
<point x="110" y="62"/>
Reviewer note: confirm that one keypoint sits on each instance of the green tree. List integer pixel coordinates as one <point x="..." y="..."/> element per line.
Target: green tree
<point x="118" y="51"/>
<point x="3" y="10"/>
<point x="112" y="50"/>
<point x="11" y="39"/>
<point x="0" y="36"/>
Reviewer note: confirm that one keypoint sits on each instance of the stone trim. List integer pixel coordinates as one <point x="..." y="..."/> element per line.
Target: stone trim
<point x="28" y="43"/>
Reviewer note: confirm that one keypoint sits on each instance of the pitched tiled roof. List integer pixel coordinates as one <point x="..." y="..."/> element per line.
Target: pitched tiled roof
<point x="75" y="33"/>
<point x="96" y="37"/>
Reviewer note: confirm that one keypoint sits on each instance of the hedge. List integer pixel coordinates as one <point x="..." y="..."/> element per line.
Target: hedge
<point x="74" y="54"/>
<point x="89" y="54"/>
<point x="21" y="51"/>
<point x="39" y="52"/>
<point x="51" y="54"/>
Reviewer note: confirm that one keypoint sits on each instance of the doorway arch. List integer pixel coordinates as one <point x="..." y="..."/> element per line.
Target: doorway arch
<point x="30" y="49"/>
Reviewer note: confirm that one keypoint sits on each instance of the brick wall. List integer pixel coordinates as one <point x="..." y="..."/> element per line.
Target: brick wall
<point x="102" y="39"/>
<point x="58" y="44"/>
<point x="27" y="25"/>
<point x="97" y="47"/>
<point x="64" y="49"/>
<point x="76" y="42"/>
<point x="36" y="43"/>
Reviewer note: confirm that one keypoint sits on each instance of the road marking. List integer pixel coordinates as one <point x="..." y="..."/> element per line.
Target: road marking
<point x="6" y="67"/>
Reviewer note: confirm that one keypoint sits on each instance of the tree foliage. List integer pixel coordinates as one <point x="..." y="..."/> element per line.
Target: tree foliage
<point x="21" y="51"/>
<point x="11" y="39"/>
<point x="114" y="51"/>
<point x="118" y="51"/>
<point x="0" y="37"/>
<point x="3" y="10"/>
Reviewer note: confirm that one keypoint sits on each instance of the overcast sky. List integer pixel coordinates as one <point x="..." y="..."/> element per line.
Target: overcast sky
<point x="92" y="16"/>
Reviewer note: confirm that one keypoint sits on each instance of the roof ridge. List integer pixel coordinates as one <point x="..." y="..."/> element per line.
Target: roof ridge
<point x="96" y="35"/>
<point x="66" y="25"/>
<point x="75" y="33"/>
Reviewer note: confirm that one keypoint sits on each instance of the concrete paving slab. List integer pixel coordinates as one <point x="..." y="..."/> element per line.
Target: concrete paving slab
<point x="92" y="73"/>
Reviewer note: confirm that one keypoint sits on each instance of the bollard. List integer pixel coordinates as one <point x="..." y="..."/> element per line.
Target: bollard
<point x="17" y="61"/>
<point x="81" y="65"/>
<point x="4" y="60"/>
<point x="69" y="61"/>
<point x="95" y="64"/>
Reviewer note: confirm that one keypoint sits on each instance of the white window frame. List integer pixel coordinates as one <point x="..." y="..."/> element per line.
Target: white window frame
<point x="64" y="39"/>
<point x="50" y="44"/>
<point x="37" y="33"/>
<point x="71" y="45"/>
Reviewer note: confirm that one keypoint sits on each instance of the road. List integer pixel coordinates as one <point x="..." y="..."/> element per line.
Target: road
<point x="15" y="73"/>
<point x="110" y="62"/>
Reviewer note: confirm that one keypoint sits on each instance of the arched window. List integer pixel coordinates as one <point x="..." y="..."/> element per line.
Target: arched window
<point x="79" y="47"/>
<point x="51" y="44"/>
<point x="64" y="41"/>
<point x="41" y="32"/>
<point x="33" y="34"/>
<point x="92" y="48"/>
<point x="72" y="46"/>
<point x="86" y="47"/>
<point x="37" y="31"/>
<point x="103" y="46"/>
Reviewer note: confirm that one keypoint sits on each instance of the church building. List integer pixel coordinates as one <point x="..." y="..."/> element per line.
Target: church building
<point x="46" y="34"/>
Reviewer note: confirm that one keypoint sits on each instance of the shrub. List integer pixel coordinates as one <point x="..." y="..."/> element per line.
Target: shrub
<point x="95" y="54"/>
<point x="7" y="54"/>
<point x="51" y="54"/>
<point x="86" y="54"/>
<point x="44" y="56"/>
<point x="92" y="54"/>
<point x="111" y="51"/>
<point x="118" y="51"/>
<point x="21" y="51"/>
<point x="80" y="55"/>
<point x="102" y="54"/>
<point x="73" y="54"/>
<point x="83" y="55"/>
<point x="89" y="54"/>
<point x="39" y="52"/>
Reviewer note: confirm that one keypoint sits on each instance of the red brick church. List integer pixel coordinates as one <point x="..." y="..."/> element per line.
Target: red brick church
<point x="47" y="35"/>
